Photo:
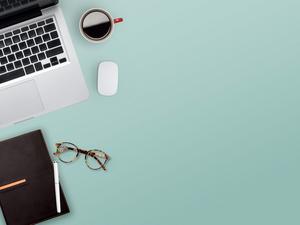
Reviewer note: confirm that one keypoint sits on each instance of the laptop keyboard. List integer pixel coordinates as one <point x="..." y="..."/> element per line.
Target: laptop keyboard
<point x="29" y="49"/>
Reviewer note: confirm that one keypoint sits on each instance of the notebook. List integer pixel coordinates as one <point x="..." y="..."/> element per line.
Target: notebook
<point x="26" y="158"/>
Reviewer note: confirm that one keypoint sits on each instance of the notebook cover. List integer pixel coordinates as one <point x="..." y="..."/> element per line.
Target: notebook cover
<point x="27" y="157"/>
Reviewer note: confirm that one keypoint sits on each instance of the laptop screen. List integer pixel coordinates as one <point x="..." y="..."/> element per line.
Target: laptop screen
<point x="9" y="8"/>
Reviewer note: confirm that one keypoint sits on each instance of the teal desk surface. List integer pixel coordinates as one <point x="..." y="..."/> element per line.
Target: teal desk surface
<point x="205" y="126"/>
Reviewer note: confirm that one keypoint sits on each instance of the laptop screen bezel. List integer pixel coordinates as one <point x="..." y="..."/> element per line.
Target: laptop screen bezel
<point x="34" y="4"/>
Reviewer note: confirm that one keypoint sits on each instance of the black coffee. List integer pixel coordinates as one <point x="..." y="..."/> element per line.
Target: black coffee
<point x="96" y="25"/>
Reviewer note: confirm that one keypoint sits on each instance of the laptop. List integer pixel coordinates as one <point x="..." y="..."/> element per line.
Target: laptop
<point x="39" y="69"/>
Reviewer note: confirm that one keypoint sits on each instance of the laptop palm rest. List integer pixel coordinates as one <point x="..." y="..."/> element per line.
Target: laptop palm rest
<point x="20" y="102"/>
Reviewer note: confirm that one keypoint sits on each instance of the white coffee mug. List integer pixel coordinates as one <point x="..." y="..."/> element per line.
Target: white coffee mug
<point x="97" y="25"/>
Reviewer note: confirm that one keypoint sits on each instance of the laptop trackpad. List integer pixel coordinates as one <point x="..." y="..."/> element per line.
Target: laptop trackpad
<point x="20" y="102"/>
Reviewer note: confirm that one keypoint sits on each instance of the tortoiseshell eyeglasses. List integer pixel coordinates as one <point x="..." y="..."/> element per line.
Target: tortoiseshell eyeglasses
<point x="94" y="159"/>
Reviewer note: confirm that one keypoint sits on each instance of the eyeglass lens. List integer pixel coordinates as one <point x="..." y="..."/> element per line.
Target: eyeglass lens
<point x="95" y="159"/>
<point x="67" y="152"/>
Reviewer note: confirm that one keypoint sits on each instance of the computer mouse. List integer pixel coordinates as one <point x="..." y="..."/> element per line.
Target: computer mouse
<point x="108" y="78"/>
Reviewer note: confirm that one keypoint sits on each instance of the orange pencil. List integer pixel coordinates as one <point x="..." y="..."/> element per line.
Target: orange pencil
<point x="12" y="184"/>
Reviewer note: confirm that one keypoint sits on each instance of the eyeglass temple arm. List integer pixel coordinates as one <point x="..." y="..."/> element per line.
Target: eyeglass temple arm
<point x="101" y="164"/>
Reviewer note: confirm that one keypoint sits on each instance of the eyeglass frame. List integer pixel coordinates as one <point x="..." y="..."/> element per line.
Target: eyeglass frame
<point x="86" y="153"/>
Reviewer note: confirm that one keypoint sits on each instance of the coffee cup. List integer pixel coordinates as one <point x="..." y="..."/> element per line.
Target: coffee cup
<point x="97" y="25"/>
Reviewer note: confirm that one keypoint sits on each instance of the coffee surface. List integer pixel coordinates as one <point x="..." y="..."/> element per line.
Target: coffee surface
<point x="96" y="25"/>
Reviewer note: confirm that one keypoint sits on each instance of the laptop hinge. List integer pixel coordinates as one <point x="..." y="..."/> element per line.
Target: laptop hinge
<point x="20" y="17"/>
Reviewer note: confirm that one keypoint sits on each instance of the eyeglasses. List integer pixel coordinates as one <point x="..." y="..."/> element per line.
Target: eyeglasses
<point x="94" y="159"/>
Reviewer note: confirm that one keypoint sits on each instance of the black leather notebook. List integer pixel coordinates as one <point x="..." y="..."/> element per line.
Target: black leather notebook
<point x="27" y="195"/>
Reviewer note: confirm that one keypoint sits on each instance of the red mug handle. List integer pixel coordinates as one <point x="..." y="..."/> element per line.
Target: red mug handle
<point x="118" y="20"/>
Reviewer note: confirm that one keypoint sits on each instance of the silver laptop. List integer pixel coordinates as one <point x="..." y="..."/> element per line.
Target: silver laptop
<point x="39" y="69"/>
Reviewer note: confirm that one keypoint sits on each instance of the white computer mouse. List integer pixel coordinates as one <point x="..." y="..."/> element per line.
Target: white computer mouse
<point x="108" y="75"/>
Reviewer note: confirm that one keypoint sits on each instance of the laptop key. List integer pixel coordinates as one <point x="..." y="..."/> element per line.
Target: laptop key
<point x="31" y="33"/>
<point x="25" y="61"/>
<point x="8" y="41"/>
<point x="12" y="75"/>
<point x="39" y="31"/>
<point x="2" y="44"/>
<point x="10" y="67"/>
<point x="35" y="50"/>
<point x="19" y="55"/>
<point x="7" y="50"/>
<point x="50" y="20"/>
<point x="2" y="69"/>
<point x="33" y="59"/>
<point x="54" y="43"/>
<point x="41" y="56"/>
<point x="38" y="40"/>
<point x="18" y="64"/>
<point x="54" y="52"/>
<point x="24" y="36"/>
<point x="41" y="23"/>
<point x="46" y="37"/>
<point x="22" y="45"/>
<point x="62" y="60"/>
<point x="3" y="60"/>
<point x="30" y="43"/>
<point x="54" y="61"/>
<point x="54" y="34"/>
<point x="32" y="26"/>
<point x="17" y="31"/>
<point x="49" y="27"/>
<point x="16" y="39"/>
<point x="11" y="58"/>
<point x="47" y="65"/>
<point x="23" y="29"/>
<point x="38" y="66"/>
<point x="29" y="69"/>
<point x="9" y="34"/>
<point x="14" y="48"/>
<point x="27" y="52"/>
<point x="43" y="47"/>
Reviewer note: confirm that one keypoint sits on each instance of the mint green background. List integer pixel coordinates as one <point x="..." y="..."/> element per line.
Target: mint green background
<point x="205" y="126"/>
